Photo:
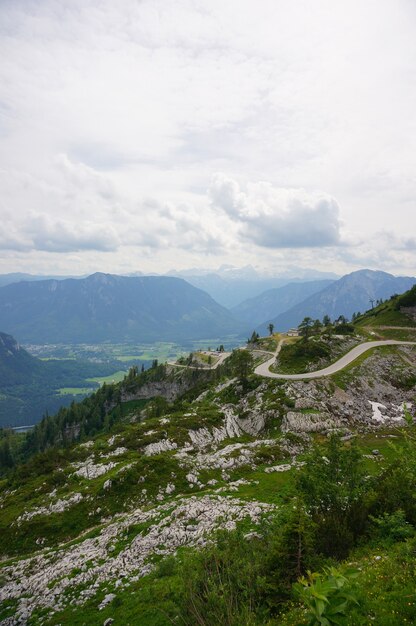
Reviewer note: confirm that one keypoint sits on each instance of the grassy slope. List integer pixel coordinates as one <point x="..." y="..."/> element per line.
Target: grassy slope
<point x="383" y="315"/>
<point x="386" y="574"/>
<point x="384" y="590"/>
<point x="153" y="600"/>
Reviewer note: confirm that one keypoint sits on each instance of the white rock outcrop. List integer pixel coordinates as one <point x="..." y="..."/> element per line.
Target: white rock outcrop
<point x="46" y="580"/>
<point x="89" y="470"/>
<point x="54" y="507"/>
<point x="160" y="446"/>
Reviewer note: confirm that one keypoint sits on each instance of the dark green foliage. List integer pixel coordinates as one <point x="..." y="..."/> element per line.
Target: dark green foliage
<point x="241" y="363"/>
<point x="101" y="411"/>
<point x="305" y="327"/>
<point x="250" y="582"/>
<point x="310" y="349"/>
<point x="407" y="299"/>
<point x="390" y="528"/>
<point x="335" y="490"/>
<point x="254" y="338"/>
<point x="94" y="414"/>
<point x="6" y="457"/>
<point x="395" y="488"/>
<point x="327" y="596"/>
<point x="222" y="583"/>
<point x="289" y="552"/>
<point x="297" y="357"/>
<point x="344" y="329"/>
<point x="241" y="580"/>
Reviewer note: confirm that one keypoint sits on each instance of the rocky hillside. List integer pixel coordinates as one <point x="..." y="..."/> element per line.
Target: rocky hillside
<point x="104" y="307"/>
<point x="95" y="532"/>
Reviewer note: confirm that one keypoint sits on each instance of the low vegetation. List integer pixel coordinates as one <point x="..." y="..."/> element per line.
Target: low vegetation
<point x="339" y="550"/>
<point x="328" y="534"/>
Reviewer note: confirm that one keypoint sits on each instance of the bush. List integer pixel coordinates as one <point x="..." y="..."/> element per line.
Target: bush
<point x="344" y="329"/>
<point x="247" y="581"/>
<point x="326" y="596"/>
<point x="334" y="487"/>
<point x="391" y="527"/>
<point x="395" y="489"/>
<point x="310" y="349"/>
<point x="221" y="583"/>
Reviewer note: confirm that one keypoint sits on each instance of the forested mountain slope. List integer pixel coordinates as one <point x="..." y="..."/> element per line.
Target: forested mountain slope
<point x="29" y="386"/>
<point x="350" y="294"/>
<point x="104" y="307"/>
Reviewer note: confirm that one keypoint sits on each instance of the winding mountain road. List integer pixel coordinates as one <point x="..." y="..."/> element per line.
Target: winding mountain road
<point x="263" y="368"/>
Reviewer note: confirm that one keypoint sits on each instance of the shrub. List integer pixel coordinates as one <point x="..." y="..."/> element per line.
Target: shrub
<point x="326" y="596"/>
<point x="335" y="490"/>
<point x="221" y="583"/>
<point x="391" y="527"/>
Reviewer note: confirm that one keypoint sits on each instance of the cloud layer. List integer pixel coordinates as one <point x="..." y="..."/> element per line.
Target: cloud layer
<point x="114" y="118"/>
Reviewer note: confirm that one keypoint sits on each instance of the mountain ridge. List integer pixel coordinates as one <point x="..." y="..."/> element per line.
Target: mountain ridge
<point x="108" y="307"/>
<point x="270" y="303"/>
<point x="350" y="294"/>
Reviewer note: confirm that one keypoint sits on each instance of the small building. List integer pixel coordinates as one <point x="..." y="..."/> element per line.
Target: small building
<point x="293" y="332"/>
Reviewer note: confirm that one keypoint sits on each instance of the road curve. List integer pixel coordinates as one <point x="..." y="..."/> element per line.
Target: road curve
<point x="263" y="368"/>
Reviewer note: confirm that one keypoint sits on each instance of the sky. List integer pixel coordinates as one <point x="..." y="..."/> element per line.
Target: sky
<point x="146" y="135"/>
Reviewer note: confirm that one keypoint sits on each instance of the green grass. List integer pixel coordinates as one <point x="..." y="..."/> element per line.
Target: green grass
<point x="151" y="601"/>
<point x="267" y="343"/>
<point x="384" y="588"/>
<point x="113" y="378"/>
<point x="75" y="391"/>
<point x="393" y="333"/>
<point x="130" y="357"/>
<point x="206" y="358"/>
<point x="384" y="591"/>
<point x="384" y="315"/>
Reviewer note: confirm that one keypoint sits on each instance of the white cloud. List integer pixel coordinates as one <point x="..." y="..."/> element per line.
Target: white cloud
<point x="277" y="217"/>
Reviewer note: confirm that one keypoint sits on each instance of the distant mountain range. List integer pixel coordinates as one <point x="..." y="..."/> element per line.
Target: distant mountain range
<point x="350" y="294"/>
<point x="231" y="286"/>
<point x="227" y="285"/>
<point x="109" y="308"/>
<point x="271" y="303"/>
<point x="17" y="277"/>
<point x="104" y="307"/>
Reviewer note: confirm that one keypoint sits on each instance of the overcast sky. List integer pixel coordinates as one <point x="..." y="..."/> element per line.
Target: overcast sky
<point x="147" y="135"/>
